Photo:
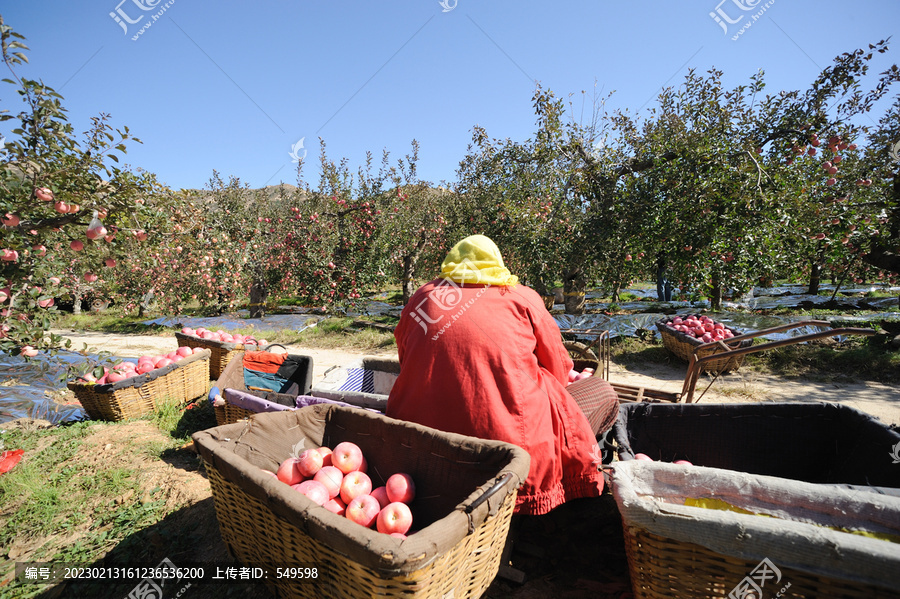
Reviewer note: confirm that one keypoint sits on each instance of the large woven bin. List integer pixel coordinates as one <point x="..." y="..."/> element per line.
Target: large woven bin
<point x="792" y="543"/>
<point x="815" y="442"/>
<point x="684" y="346"/>
<point x="176" y="383"/>
<point x="221" y="353"/>
<point x="466" y="490"/>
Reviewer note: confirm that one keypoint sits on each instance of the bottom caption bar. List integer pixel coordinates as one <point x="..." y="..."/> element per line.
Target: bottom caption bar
<point x="165" y="573"/>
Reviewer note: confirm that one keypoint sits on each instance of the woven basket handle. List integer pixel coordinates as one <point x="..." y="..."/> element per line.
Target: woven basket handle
<point x="499" y="484"/>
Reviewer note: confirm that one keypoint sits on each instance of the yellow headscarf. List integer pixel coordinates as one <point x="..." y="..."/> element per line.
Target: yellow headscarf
<point x="476" y="260"/>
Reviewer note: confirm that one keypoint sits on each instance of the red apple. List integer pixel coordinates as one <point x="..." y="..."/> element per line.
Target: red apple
<point x="347" y="457"/>
<point x="44" y="194"/>
<point x="29" y="351"/>
<point x="682" y="462"/>
<point x="325" y="452"/>
<point x="144" y="367"/>
<point x="363" y="510"/>
<point x="643" y="456"/>
<point x="314" y="490"/>
<point x="380" y="493"/>
<point x="400" y="487"/>
<point x="184" y="351"/>
<point x="287" y="472"/>
<point x="115" y="377"/>
<point x="395" y="517"/>
<point x="332" y="478"/>
<point x="336" y="505"/>
<point x="355" y="484"/>
<point x="77" y="245"/>
<point x="309" y="462"/>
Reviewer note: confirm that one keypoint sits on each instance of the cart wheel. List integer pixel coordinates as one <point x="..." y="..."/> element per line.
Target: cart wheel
<point x="579" y="351"/>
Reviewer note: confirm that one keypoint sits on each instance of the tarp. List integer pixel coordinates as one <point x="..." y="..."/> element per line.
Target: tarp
<point x="27" y="387"/>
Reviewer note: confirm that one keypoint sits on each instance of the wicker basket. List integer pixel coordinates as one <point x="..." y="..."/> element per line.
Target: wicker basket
<point x="467" y="489"/>
<point x="230" y="414"/>
<point x="684" y="346"/>
<point x="177" y="383"/>
<point x="222" y="353"/>
<point x="792" y="544"/>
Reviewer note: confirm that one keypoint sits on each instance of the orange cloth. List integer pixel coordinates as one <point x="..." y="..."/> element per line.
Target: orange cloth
<point x="488" y="361"/>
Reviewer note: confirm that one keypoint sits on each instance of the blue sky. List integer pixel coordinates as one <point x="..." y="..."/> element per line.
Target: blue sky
<point x="233" y="86"/>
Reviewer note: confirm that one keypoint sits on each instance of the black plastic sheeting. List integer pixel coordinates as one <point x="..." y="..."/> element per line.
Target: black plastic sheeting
<point x="296" y="318"/>
<point x="27" y="387"/>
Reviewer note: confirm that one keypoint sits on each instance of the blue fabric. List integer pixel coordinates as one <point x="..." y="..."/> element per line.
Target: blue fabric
<point x="212" y="394"/>
<point x="264" y="380"/>
<point x="359" y="379"/>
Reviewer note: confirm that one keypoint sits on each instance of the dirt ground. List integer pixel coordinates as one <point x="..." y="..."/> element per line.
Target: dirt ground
<point x="576" y="551"/>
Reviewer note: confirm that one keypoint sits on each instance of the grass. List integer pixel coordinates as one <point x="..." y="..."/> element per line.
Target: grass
<point x="331" y="333"/>
<point x="63" y="503"/>
<point x="855" y="358"/>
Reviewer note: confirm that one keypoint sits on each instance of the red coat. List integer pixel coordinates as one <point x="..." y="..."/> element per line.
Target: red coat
<point x="488" y="362"/>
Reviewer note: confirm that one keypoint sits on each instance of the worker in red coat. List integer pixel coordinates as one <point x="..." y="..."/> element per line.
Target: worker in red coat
<point x="481" y="356"/>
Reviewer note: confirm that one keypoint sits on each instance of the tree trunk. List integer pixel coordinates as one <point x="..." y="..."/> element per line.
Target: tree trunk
<point x="815" y="277"/>
<point x="715" y="296"/>
<point x="548" y="296"/>
<point x="408" y="285"/>
<point x="259" y="292"/>
<point x="76" y="304"/>
<point x="574" y="289"/>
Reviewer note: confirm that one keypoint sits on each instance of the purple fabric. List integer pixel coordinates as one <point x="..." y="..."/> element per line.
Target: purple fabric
<point x="256" y="404"/>
<point x="309" y="400"/>
<point x="251" y="402"/>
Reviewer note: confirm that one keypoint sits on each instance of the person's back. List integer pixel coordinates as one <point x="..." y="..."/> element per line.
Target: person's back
<point x="487" y="361"/>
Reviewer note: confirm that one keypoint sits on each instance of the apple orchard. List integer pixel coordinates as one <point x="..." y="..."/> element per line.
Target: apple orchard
<point x="726" y="188"/>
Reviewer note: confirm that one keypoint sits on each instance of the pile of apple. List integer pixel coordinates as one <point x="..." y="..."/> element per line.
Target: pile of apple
<point x="644" y="457"/>
<point x="336" y="479"/>
<point x="145" y="364"/>
<point x="703" y="328"/>
<point x="574" y="375"/>
<point x="223" y="336"/>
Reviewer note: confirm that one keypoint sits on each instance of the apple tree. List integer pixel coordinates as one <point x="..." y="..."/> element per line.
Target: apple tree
<point x="56" y="193"/>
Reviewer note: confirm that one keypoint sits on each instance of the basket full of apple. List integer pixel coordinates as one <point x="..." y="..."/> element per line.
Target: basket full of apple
<point x="224" y="346"/>
<point x="378" y="506"/>
<point x="685" y="335"/>
<point x="129" y="389"/>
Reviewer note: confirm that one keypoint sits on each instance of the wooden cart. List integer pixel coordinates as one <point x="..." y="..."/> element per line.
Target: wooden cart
<point x="597" y="351"/>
